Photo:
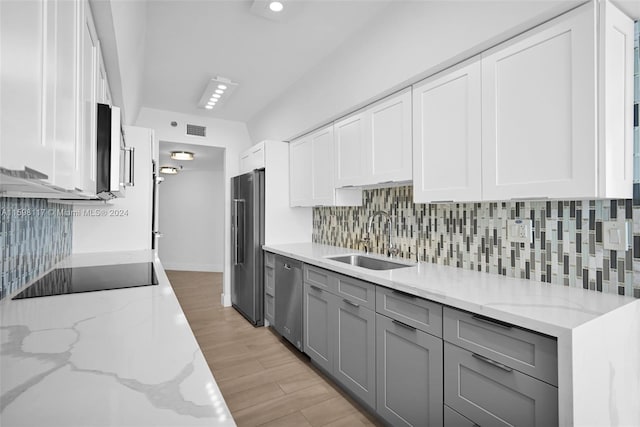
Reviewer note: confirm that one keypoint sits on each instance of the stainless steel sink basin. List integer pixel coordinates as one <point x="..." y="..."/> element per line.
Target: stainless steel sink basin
<point x="369" y="262"/>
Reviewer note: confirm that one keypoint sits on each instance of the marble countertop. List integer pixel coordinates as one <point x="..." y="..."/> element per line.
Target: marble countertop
<point x="549" y="309"/>
<point x="124" y="357"/>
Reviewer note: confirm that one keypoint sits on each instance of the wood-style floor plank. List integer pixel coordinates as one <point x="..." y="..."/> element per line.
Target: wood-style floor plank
<point x="264" y="380"/>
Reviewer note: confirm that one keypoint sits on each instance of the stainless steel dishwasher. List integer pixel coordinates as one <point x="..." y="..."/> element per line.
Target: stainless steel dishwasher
<point x="288" y="290"/>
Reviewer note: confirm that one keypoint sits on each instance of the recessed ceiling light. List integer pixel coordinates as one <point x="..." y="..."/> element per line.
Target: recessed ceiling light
<point x="276" y="6"/>
<point x="208" y="107"/>
<point x="218" y="90"/>
<point x="182" y="155"/>
<point x="169" y="170"/>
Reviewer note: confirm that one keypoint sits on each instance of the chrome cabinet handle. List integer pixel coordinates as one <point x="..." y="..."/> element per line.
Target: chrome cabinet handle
<point x="132" y="155"/>
<point x="492" y="362"/>
<point x="351" y="303"/>
<point x="404" y="325"/>
<point x="493" y="322"/>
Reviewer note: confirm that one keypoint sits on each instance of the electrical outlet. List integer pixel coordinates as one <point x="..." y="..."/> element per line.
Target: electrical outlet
<point x="616" y="235"/>
<point x="520" y="230"/>
<point x="333" y="221"/>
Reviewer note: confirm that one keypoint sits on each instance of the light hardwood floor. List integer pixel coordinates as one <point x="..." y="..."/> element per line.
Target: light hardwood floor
<point x="264" y="380"/>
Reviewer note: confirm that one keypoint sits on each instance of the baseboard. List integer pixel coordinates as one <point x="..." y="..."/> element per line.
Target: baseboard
<point x="213" y="268"/>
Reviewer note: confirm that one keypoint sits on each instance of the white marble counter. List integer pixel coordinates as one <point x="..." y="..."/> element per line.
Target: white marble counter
<point x="124" y="357"/>
<point x="598" y="334"/>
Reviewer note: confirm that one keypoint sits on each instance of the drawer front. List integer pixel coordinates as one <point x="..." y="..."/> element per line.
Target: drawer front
<point x="269" y="308"/>
<point x="414" y="311"/>
<point x="269" y="259"/>
<point x="491" y="395"/>
<point x="357" y="291"/>
<point x="320" y="278"/>
<point x="269" y="281"/>
<point x="525" y="351"/>
<point x="454" y="419"/>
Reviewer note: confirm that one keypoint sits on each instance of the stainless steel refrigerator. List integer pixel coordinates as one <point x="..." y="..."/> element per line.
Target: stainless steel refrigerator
<point x="247" y="238"/>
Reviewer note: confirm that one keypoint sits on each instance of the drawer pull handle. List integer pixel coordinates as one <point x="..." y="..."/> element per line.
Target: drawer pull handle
<point x="351" y="303"/>
<point x="492" y="321"/>
<point x="287" y="267"/>
<point x="492" y="362"/>
<point x="316" y="288"/>
<point x="404" y="325"/>
<point x="402" y="294"/>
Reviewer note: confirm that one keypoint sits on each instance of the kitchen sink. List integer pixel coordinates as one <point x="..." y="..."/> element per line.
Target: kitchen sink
<point x="369" y="262"/>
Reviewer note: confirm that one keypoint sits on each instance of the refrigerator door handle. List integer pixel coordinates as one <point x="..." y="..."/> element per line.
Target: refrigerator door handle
<point x="238" y="236"/>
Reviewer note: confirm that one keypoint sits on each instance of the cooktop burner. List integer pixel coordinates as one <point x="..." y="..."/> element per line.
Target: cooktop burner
<point x="88" y="279"/>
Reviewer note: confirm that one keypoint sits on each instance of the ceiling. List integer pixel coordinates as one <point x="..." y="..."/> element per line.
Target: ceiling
<point x="190" y="41"/>
<point x="205" y="158"/>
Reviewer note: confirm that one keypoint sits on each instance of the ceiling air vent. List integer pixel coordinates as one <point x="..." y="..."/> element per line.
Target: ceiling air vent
<point x="196" y="130"/>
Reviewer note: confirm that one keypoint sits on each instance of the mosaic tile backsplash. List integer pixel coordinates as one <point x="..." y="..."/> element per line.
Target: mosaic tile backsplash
<point x="567" y="248"/>
<point x="34" y="235"/>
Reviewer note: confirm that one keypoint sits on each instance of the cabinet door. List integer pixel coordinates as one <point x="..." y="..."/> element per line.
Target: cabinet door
<point x="447" y="136"/>
<point x="354" y="364"/>
<point x="492" y="394"/>
<point x="538" y="115"/>
<point x="390" y="135"/>
<point x="24" y="26"/>
<point x="66" y="99"/>
<point x="409" y="367"/>
<point x="351" y="151"/>
<point x="300" y="173"/>
<point x="86" y="149"/>
<point x="322" y="167"/>
<point x="318" y="325"/>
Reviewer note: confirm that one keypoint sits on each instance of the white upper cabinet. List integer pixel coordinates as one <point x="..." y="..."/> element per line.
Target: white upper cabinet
<point x="390" y="135"/>
<point x="24" y="86"/>
<point x="311" y="172"/>
<point x="373" y="146"/>
<point x="540" y="111"/>
<point x="351" y="151"/>
<point x="322" y="188"/>
<point x="253" y="158"/>
<point x="86" y="152"/>
<point x="300" y="173"/>
<point x="447" y="143"/>
<point x="50" y="82"/>
<point x="616" y="103"/>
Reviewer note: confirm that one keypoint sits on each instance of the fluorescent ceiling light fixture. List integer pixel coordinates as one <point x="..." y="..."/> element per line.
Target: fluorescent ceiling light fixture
<point x="169" y="170"/>
<point x="276" y="6"/>
<point x="182" y="155"/>
<point x="218" y="89"/>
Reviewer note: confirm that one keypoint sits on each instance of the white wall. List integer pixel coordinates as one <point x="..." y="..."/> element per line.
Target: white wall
<point x="232" y="136"/>
<point x="409" y="40"/>
<point x="191" y="218"/>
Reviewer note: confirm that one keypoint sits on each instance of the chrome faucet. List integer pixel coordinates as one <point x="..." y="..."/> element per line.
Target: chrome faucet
<point x="391" y="249"/>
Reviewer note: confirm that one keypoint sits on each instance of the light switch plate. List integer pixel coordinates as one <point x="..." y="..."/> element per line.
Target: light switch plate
<point x="520" y="230"/>
<point x="616" y="235"/>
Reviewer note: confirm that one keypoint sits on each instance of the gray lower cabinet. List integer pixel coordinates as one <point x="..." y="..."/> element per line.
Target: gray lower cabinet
<point x="454" y="419"/>
<point x="409" y="374"/>
<point x="269" y="287"/>
<point x="318" y="325"/>
<point x="492" y="394"/>
<point x="355" y="351"/>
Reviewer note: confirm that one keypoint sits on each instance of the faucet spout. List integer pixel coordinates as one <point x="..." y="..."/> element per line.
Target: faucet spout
<point x="391" y="250"/>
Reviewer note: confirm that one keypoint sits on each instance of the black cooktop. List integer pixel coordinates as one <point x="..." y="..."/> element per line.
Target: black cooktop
<point x="63" y="281"/>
